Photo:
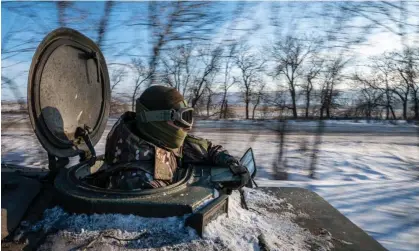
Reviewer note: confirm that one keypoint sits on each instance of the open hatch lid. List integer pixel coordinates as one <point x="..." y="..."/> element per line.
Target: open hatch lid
<point x="68" y="88"/>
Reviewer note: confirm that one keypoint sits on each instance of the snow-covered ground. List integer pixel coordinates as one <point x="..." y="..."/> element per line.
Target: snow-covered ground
<point x="372" y="179"/>
<point x="370" y="176"/>
<point x="241" y="230"/>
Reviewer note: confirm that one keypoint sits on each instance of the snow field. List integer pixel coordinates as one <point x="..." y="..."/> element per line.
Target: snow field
<point x="371" y="178"/>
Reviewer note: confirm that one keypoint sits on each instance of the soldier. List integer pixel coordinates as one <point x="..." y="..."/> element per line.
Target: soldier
<point x="153" y="144"/>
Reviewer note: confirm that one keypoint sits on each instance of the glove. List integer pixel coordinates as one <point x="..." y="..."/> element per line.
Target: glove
<point x="240" y="171"/>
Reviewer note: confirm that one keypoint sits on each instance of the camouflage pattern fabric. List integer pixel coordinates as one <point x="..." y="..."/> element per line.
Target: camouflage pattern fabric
<point x="201" y="151"/>
<point x="151" y="166"/>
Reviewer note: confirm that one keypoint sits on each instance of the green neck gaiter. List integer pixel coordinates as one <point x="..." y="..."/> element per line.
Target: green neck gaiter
<point x="162" y="134"/>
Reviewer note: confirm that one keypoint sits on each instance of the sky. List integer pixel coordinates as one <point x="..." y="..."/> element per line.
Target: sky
<point x="23" y="21"/>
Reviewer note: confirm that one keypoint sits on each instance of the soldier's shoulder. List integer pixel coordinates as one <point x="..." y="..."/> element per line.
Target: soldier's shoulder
<point x="191" y="139"/>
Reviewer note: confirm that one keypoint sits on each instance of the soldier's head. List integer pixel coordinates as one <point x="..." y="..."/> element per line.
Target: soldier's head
<point x="163" y="115"/>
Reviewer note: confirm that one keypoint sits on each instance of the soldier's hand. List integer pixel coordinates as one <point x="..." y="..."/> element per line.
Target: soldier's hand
<point x="242" y="172"/>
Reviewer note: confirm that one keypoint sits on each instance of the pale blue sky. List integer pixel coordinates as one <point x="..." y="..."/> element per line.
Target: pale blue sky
<point x="296" y="18"/>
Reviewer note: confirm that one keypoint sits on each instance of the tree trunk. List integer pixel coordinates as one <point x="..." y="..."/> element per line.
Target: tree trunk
<point x="403" y="98"/>
<point x="220" y="116"/>
<point x="208" y="104"/>
<point x="388" y="106"/>
<point x="307" y="103"/>
<point x="328" y="103"/>
<point x="415" y="104"/>
<point x="223" y="104"/>
<point x="323" y="100"/>
<point x="329" y="100"/>
<point x="61" y="12"/>
<point x="225" y="109"/>
<point x="254" y="108"/>
<point x="134" y="95"/>
<point x="193" y="102"/>
<point x="104" y="23"/>
<point x="294" y="105"/>
<point x="392" y="112"/>
<point x="247" y="109"/>
<point x="133" y="103"/>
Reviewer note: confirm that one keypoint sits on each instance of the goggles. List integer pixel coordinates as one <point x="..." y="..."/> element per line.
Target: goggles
<point x="182" y="117"/>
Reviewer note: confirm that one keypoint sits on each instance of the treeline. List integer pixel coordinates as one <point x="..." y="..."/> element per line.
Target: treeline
<point x="207" y="49"/>
<point x="309" y="74"/>
<point x="302" y="82"/>
<point x="391" y="78"/>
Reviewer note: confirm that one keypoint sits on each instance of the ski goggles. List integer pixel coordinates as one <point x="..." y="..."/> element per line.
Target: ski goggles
<point x="182" y="116"/>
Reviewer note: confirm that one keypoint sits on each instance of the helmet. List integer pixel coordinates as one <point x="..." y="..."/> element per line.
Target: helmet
<point x="162" y="116"/>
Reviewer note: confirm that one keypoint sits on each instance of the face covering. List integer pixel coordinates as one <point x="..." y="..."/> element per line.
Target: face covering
<point x="160" y="133"/>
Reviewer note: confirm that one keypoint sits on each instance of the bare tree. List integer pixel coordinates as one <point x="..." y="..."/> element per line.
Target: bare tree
<point x="143" y="74"/>
<point x="228" y="79"/>
<point x="103" y="23"/>
<point x="192" y="71"/>
<point x="258" y="97"/>
<point x="383" y="70"/>
<point x="406" y="64"/>
<point x="13" y="87"/>
<point x="278" y="100"/>
<point x="177" y="21"/>
<point x="402" y="65"/>
<point x="250" y="66"/>
<point x="332" y="77"/>
<point x="209" y="100"/>
<point x="179" y="65"/>
<point x="370" y="98"/>
<point x="388" y="16"/>
<point x="363" y="18"/>
<point x="210" y="59"/>
<point x="117" y="76"/>
<point x="23" y="37"/>
<point x="62" y="6"/>
<point x="311" y="74"/>
<point x="289" y="55"/>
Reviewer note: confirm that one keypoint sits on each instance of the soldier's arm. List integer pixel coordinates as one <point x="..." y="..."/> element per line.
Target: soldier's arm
<point x="198" y="150"/>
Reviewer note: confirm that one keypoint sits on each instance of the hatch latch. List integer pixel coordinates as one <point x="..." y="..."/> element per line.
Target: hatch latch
<point x="84" y="134"/>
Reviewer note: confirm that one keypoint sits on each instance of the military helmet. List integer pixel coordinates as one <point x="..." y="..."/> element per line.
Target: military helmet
<point x="157" y="106"/>
<point x="161" y="103"/>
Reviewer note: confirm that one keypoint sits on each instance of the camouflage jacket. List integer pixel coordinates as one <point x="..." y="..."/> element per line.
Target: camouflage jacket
<point x="151" y="166"/>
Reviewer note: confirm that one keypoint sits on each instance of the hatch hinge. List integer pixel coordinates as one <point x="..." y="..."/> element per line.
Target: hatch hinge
<point x="55" y="163"/>
<point x="84" y="134"/>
